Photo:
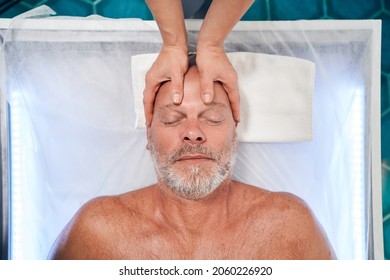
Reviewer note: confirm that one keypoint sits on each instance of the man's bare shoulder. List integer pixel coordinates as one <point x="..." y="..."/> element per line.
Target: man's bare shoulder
<point x="89" y="234"/>
<point x="110" y="209"/>
<point x="275" y="203"/>
<point x="286" y="217"/>
<point x="259" y="198"/>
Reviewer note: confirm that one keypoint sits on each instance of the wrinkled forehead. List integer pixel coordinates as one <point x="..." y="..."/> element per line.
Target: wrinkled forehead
<point x="192" y="91"/>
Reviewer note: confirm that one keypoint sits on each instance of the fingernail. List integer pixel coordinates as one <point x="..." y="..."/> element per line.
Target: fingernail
<point x="176" y="98"/>
<point x="207" y="97"/>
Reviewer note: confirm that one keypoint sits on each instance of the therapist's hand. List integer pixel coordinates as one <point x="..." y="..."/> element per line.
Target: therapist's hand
<point x="214" y="65"/>
<point x="170" y="65"/>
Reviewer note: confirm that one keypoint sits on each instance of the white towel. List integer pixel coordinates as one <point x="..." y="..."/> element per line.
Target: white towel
<point x="276" y="95"/>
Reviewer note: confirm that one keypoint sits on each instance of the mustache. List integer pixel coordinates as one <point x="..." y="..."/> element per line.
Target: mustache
<point x="189" y="149"/>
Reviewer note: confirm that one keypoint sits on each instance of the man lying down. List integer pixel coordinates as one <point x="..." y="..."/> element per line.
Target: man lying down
<point x="195" y="210"/>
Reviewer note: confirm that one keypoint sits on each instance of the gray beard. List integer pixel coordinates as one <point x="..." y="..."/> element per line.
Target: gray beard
<point x="198" y="180"/>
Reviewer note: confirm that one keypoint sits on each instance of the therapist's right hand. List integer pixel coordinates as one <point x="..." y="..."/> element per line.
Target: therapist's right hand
<point x="170" y="65"/>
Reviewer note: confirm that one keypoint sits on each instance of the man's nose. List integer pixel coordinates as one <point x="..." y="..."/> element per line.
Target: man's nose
<point x="193" y="134"/>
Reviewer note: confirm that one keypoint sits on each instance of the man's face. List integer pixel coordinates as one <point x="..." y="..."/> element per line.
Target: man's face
<point x="192" y="144"/>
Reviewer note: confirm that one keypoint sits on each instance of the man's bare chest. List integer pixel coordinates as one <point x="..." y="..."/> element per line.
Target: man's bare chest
<point x="233" y="244"/>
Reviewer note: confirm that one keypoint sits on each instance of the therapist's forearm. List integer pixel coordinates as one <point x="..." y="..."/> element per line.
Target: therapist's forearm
<point x="220" y="19"/>
<point x="170" y="20"/>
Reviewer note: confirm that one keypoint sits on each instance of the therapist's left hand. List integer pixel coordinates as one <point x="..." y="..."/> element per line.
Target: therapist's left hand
<point x="214" y="65"/>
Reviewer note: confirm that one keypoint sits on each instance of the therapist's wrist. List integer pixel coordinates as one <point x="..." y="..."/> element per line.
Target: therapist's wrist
<point x="178" y="41"/>
<point x="181" y="48"/>
<point x="210" y="48"/>
<point x="210" y="40"/>
<point x="209" y="43"/>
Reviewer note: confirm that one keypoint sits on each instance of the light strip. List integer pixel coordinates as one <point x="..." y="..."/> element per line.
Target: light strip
<point x="16" y="178"/>
<point x="358" y="206"/>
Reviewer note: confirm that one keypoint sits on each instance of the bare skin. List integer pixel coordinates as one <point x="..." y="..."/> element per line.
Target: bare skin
<point x="236" y="221"/>
<point x="142" y="225"/>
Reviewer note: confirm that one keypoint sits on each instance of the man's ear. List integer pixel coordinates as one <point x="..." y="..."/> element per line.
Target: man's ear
<point x="148" y="137"/>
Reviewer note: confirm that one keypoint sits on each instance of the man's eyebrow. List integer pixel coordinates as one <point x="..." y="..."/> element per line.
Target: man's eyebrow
<point x="217" y="104"/>
<point x="167" y="106"/>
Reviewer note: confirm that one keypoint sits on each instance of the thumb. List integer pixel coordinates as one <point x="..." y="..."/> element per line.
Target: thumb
<point x="177" y="89"/>
<point x="207" y="89"/>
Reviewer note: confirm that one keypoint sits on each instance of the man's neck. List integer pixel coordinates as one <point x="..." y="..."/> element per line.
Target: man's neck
<point x="194" y="217"/>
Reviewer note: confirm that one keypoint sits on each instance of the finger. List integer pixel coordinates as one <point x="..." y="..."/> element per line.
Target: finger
<point x="177" y="88"/>
<point x="207" y="89"/>
<point x="149" y="96"/>
<point x="234" y="98"/>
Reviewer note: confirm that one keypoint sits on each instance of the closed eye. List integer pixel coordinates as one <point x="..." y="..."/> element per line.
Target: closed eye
<point x="213" y="119"/>
<point x="171" y="118"/>
<point x="214" y="116"/>
<point x="170" y="123"/>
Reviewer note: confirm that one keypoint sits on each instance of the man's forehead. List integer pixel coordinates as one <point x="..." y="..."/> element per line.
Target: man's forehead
<point x="192" y="93"/>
